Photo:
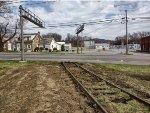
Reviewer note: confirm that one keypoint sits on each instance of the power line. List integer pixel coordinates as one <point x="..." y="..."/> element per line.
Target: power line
<point x="96" y="29"/>
<point x="30" y="3"/>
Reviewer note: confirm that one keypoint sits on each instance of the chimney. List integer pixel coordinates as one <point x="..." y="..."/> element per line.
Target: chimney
<point x="38" y="33"/>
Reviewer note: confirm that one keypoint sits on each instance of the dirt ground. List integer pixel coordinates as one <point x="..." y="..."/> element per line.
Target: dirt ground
<point x="40" y="88"/>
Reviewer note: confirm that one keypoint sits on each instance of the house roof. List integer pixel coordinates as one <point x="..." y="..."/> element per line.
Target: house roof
<point x="60" y="43"/>
<point x="28" y="41"/>
<point x="31" y="37"/>
<point x="101" y="44"/>
<point x="46" y="40"/>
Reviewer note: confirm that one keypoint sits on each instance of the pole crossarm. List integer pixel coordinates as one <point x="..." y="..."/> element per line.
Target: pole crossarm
<point x="80" y="29"/>
<point x="27" y="14"/>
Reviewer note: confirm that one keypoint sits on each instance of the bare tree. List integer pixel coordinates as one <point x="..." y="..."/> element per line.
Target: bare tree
<point x="4" y="28"/>
<point x="133" y="38"/>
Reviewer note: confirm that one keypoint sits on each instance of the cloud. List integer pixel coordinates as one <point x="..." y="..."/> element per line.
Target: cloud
<point x="70" y="12"/>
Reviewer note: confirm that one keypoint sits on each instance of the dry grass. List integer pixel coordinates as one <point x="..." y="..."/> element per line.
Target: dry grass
<point x="11" y="64"/>
<point x="132" y="69"/>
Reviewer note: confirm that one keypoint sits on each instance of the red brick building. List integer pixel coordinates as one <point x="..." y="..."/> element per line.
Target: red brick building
<point x="145" y="44"/>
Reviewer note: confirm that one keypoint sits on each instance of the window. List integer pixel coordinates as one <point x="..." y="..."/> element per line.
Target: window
<point x="29" y="46"/>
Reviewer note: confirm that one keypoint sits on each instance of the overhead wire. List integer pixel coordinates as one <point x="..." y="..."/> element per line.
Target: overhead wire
<point x="74" y="24"/>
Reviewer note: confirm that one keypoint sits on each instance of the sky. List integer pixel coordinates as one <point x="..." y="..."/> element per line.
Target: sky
<point x="107" y="16"/>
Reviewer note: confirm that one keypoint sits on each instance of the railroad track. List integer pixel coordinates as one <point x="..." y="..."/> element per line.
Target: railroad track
<point x="105" y="96"/>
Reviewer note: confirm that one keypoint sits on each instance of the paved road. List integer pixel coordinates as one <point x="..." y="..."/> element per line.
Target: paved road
<point x="101" y="57"/>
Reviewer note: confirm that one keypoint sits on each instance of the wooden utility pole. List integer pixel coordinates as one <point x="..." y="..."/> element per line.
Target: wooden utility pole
<point x="126" y="33"/>
<point x="77" y="44"/>
<point x="81" y="42"/>
<point x="22" y="39"/>
<point x="78" y="30"/>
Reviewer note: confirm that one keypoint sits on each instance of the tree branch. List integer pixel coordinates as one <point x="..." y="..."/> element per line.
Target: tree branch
<point x="0" y="31"/>
<point x="5" y="31"/>
<point x="12" y="35"/>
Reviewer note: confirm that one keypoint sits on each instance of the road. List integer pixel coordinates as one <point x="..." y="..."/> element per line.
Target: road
<point x="101" y="57"/>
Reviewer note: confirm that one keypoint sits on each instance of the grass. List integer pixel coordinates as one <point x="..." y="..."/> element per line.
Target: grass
<point x="131" y="106"/>
<point x="130" y="69"/>
<point x="13" y="63"/>
<point x="10" y="64"/>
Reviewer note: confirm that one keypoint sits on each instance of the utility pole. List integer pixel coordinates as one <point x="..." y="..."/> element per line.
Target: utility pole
<point x="28" y="15"/>
<point x="126" y="32"/>
<point x="77" y="44"/>
<point x="22" y="39"/>
<point x="78" y="30"/>
<point x="81" y="43"/>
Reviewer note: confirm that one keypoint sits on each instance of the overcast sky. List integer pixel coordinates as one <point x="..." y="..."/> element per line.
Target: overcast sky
<point x="79" y="11"/>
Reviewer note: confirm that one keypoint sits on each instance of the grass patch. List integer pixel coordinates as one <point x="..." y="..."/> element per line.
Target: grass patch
<point x="11" y="64"/>
<point x="129" y="69"/>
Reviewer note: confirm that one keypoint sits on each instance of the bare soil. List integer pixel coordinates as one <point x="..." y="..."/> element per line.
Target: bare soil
<point x="40" y="88"/>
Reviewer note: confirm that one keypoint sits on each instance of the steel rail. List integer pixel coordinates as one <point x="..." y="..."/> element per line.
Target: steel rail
<point x="88" y="94"/>
<point x="108" y="82"/>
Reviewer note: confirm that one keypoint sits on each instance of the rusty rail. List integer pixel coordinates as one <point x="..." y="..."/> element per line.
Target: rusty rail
<point x="89" y="95"/>
<point x="108" y="82"/>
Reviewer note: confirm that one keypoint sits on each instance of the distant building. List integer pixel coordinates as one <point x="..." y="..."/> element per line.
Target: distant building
<point x="89" y="44"/>
<point x="102" y="46"/>
<point x="134" y="46"/>
<point x="92" y="45"/>
<point x="59" y="45"/>
<point x="12" y="43"/>
<point x="68" y="47"/>
<point x="30" y="42"/>
<point x="145" y="44"/>
<point x="50" y="44"/>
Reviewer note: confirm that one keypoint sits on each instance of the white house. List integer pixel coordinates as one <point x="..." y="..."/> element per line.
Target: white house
<point x="102" y="46"/>
<point x="12" y="44"/>
<point x="9" y="46"/>
<point x="68" y="47"/>
<point x="89" y="44"/>
<point x="50" y="44"/>
<point x="59" y="44"/>
<point x="134" y="46"/>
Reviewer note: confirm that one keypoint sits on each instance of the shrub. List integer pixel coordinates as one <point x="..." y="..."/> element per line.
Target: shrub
<point x="41" y="48"/>
<point x="50" y="50"/>
<point x="46" y="49"/>
<point x="55" y="49"/>
<point x="62" y="47"/>
<point x="36" y="49"/>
